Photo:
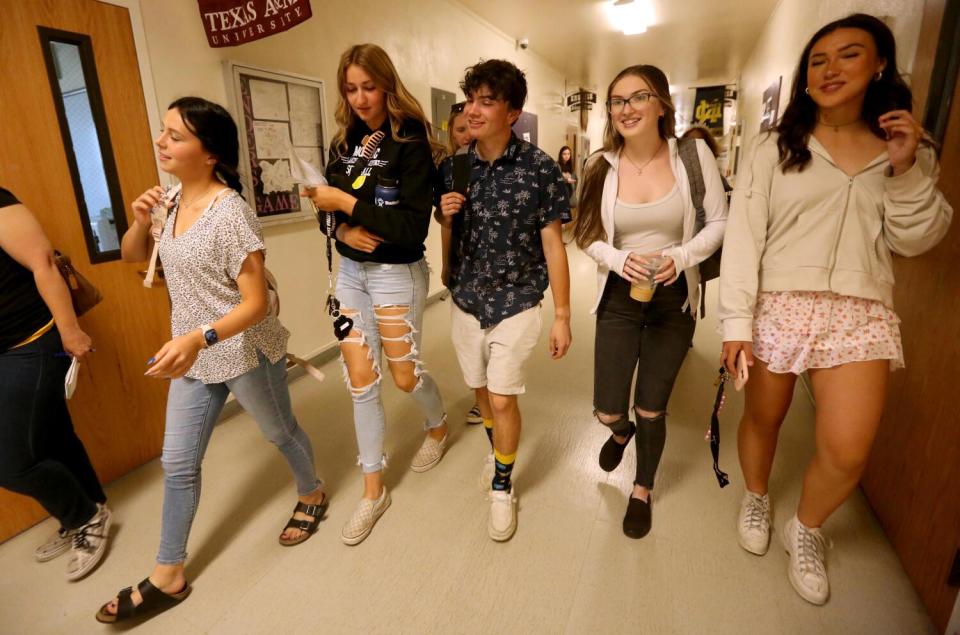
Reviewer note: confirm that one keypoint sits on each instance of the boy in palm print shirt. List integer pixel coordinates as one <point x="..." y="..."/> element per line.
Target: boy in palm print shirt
<point x="508" y="247"/>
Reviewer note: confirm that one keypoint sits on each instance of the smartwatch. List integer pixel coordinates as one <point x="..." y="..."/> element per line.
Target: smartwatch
<point x="209" y="335"/>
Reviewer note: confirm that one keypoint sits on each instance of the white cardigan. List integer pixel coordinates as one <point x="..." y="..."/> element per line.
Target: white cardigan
<point x="693" y="249"/>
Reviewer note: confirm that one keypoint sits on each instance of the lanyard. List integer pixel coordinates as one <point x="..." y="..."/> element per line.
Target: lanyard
<point x="714" y="433"/>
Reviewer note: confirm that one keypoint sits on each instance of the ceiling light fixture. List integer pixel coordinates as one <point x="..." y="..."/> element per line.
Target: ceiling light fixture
<point x="630" y="16"/>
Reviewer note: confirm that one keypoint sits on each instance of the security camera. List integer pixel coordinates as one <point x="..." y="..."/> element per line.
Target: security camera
<point x="524" y="43"/>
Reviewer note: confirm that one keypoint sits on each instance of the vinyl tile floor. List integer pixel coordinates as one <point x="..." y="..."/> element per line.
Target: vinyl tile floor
<point x="429" y="567"/>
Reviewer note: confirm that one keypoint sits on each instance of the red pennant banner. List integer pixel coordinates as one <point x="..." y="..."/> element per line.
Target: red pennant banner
<point x="234" y="22"/>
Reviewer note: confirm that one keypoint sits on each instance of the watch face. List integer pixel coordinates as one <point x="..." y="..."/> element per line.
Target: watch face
<point x="210" y="336"/>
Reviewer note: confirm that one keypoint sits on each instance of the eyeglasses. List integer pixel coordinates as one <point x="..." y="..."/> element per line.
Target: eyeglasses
<point x="457" y="108"/>
<point x="616" y="105"/>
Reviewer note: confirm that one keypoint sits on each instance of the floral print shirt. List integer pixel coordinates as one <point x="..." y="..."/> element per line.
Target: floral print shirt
<point x="500" y="269"/>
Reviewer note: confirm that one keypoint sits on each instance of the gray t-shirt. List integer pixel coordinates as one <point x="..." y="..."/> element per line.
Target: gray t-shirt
<point x="201" y="268"/>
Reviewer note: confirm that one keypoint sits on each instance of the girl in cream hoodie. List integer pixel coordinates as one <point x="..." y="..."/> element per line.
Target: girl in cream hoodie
<point x="806" y="282"/>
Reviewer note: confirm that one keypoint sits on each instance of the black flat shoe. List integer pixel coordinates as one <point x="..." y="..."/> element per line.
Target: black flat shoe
<point x="612" y="452"/>
<point x="153" y="601"/>
<point x="639" y="518"/>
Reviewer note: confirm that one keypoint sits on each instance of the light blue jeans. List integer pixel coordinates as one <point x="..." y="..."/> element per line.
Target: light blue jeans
<point x="371" y="294"/>
<point x="192" y="410"/>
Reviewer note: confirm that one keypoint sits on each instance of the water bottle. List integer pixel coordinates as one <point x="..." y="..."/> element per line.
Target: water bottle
<point x="386" y="193"/>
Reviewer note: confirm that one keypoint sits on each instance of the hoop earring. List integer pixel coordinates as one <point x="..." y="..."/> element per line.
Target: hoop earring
<point x="807" y="90"/>
<point x="878" y="76"/>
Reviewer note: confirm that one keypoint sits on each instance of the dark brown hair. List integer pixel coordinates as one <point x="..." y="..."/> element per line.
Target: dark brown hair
<point x="699" y="132"/>
<point x="588" y="227"/>
<point x="887" y="93"/>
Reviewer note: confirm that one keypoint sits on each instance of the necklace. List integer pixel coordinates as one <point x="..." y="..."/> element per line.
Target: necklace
<point x="836" y="126"/>
<point x="184" y="205"/>
<point x="646" y="163"/>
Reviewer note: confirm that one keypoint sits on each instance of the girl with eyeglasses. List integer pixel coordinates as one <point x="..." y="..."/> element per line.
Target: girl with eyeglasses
<point x="637" y="221"/>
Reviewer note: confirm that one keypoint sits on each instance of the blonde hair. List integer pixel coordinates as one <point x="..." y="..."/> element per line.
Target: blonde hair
<point x="452" y="146"/>
<point x="401" y="105"/>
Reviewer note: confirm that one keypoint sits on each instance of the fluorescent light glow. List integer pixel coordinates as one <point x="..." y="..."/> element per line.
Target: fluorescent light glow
<point x="630" y="16"/>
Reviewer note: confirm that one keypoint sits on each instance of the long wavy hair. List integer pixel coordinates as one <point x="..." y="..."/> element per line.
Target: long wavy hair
<point x="400" y="103"/>
<point x="217" y="132"/>
<point x="588" y="226"/>
<point x="887" y="93"/>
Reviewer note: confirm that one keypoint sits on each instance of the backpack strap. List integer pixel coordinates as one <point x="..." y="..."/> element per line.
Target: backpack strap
<point x="691" y="163"/>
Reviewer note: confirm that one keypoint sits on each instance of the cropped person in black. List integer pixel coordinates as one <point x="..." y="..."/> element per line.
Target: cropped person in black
<point x="40" y="454"/>
<point x="381" y="172"/>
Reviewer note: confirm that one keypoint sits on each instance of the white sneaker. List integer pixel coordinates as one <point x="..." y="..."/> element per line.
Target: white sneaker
<point x="808" y="570"/>
<point x="429" y="454"/>
<point x="58" y="542"/>
<point x="503" y="515"/>
<point x="474" y="417"/>
<point x="754" y="524"/>
<point x="364" y="518"/>
<point x="89" y="544"/>
<point x="486" y="473"/>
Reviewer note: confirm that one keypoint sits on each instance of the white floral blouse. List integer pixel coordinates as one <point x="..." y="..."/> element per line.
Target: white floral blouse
<point x="201" y="268"/>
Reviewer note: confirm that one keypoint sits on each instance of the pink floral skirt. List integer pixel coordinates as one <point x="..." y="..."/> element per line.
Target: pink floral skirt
<point x="797" y="330"/>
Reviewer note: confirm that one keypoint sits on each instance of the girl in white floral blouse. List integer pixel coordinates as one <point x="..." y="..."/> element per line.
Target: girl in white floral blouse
<point x="224" y="340"/>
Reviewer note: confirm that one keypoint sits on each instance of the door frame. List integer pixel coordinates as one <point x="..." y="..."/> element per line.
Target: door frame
<point x="146" y="73"/>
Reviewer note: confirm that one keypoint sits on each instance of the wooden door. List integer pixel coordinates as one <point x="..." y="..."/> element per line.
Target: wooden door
<point x="117" y="412"/>
<point x="913" y="478"/>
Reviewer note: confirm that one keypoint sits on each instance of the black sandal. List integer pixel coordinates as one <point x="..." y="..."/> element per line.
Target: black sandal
<point x="307" y="527"/>
<point x="153" y="600"/>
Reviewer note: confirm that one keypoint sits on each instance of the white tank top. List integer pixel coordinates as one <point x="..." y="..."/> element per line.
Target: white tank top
<point x="649" y="227"/>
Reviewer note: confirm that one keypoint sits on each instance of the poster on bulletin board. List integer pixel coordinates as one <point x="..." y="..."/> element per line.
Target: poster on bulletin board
<point x="277" y="111"/>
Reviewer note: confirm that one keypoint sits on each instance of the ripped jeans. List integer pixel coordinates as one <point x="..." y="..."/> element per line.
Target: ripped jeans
<point x="386" y="303"/>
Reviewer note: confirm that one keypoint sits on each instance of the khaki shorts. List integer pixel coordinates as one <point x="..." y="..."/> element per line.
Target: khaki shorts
<point x="494" y="358"/>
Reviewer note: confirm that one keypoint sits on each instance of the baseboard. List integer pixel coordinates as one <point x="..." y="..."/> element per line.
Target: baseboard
<point x="318" y="358"/>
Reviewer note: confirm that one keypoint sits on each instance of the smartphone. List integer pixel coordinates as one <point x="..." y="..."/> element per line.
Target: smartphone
<point x="742" y="375"/>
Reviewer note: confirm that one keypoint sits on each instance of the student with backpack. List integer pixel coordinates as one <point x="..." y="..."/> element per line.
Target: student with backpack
<point x="639" y="220"/>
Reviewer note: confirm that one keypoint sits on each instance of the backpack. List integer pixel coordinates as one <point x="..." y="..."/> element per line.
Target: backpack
<point x="709" y="268"/>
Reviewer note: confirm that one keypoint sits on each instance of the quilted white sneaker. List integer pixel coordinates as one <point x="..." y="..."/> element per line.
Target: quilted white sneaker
<point x="364" y="518"/>
<point x="429" y="454"/>
<point x="808" y="570"/>
<point x="754" y="523"/>
<point x="486" y="473"/>
<point x="503" y="515"/>
<point x="89" y="542"/>
<point x="58" y="542"/>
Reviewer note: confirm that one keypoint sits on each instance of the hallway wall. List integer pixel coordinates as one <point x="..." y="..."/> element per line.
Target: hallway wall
<point x="430" y="45"/>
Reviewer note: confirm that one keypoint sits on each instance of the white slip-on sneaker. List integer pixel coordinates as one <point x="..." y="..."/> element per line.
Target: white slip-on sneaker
<point x="364" y="518"/>
<point x="474" y="417"/>
<point x="486" y="473"/>
<point x="808" y="567"/>
<point x="89" y="542"/>
<point x="429" y="454"/>
<point x="57" y="543"/>
<point x="754" y="522"/>
<point x="503" y="515"/>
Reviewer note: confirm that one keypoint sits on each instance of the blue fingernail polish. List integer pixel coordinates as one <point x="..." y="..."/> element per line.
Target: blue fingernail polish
<point x="151" y="360"/>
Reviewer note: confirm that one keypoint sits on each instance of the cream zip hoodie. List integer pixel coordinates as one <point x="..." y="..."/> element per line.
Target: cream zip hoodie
<point x="822" y="230"/>
<point x="693" y="250"/>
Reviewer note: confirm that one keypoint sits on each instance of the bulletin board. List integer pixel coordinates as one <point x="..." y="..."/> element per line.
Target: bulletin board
<point x="275" y="111"/>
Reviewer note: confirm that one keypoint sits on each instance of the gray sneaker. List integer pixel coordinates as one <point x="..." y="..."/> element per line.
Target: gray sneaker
<point x="429" y="453"/>
<point x="808" y="561"/>
<point x="89" y="544"/>
<point x="754" y="523"/>
<point x="58" y="542"/>
<point x="364" y="518"/>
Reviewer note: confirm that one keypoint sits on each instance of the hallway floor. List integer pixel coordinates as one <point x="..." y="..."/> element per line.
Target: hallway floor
<point x="429" y="567"/>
